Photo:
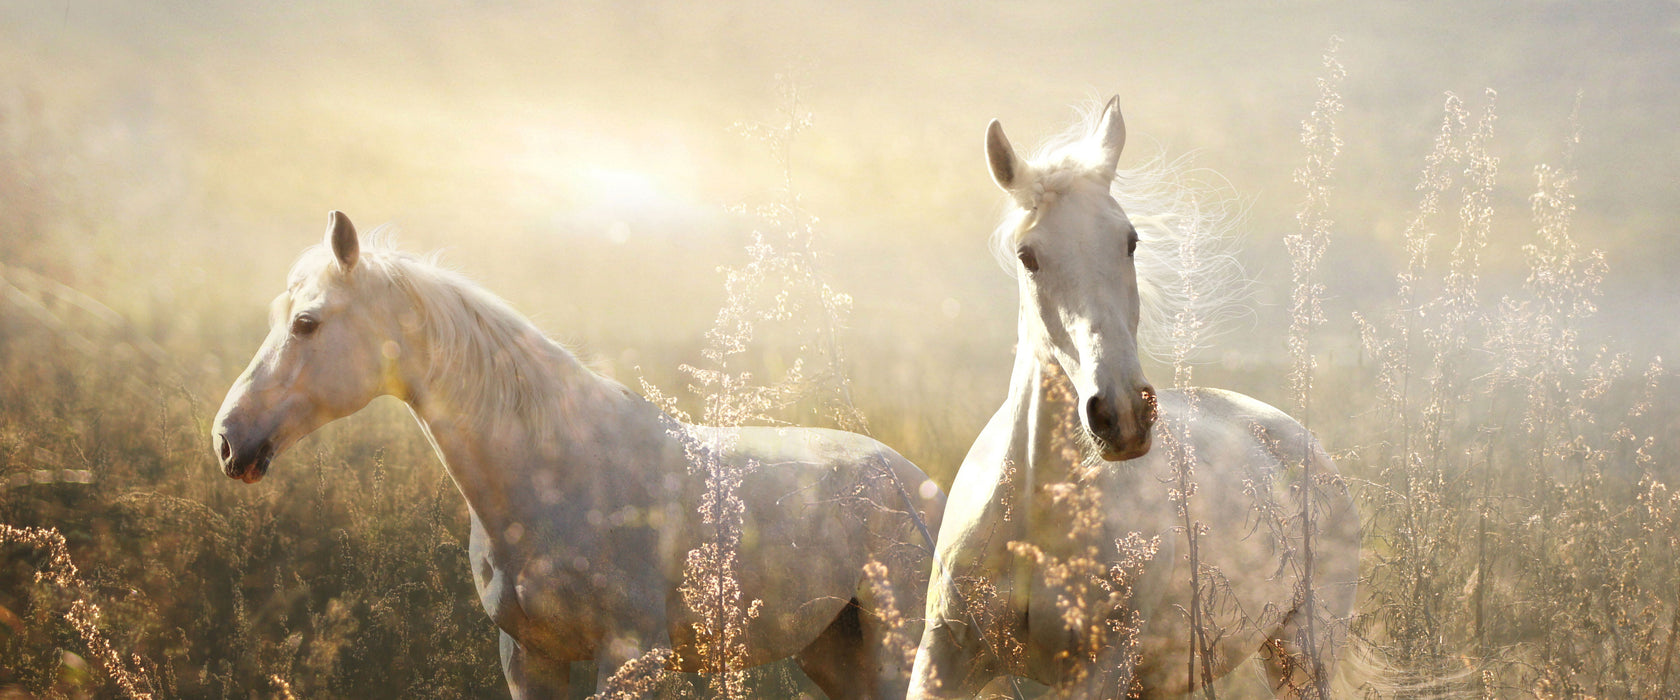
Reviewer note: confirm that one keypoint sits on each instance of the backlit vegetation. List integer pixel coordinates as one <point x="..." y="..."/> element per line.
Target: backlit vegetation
<point x="1516" y="476"/>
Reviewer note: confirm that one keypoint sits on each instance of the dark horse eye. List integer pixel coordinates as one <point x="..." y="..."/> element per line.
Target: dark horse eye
<point x="303" y="326"/>
<point x="1131" y="244"/>
<point x="1028" y="260"/>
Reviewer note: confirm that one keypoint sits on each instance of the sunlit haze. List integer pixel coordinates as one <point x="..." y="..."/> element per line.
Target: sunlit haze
<point x="520" y="134"/>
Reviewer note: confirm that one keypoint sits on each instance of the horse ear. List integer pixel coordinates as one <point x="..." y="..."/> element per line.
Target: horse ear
<point x="1006" y="166"/>
<point x="341" y="236"/>
<point x="1111" y="133"/>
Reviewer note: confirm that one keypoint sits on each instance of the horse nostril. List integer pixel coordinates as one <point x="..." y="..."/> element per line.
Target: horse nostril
<point x="1099" y="415"/>
<point x="1146" y="409"/>
<point x="223" y="449"/>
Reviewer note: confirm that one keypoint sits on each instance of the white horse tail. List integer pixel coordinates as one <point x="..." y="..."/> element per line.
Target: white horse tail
<point x="1365" y="671"/>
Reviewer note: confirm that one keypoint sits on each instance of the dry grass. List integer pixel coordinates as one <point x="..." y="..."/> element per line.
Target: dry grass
<point x="1516" y="477"/>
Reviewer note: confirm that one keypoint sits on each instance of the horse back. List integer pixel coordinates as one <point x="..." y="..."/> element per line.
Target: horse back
<point x="1244" y="464"/>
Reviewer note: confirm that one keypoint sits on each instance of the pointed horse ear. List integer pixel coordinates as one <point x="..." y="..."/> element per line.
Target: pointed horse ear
<point x="1111" y="133"/>
<point x="1006" y="166"/>
<point x="341" y="237"/>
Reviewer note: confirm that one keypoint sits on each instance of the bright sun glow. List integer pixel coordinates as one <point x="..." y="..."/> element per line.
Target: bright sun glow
<point x="621" y="191"/>
<point x="597" y="179"/>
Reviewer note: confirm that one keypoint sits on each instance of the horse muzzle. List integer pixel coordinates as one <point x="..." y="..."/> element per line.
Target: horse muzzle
<point x="1121" y="433"/>
<point x="1138" y="448"/>
<point x="248" y="462"/>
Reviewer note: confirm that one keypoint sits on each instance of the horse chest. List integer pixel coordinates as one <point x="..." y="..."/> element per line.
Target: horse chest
<point x="982" y="516"/>
<point x="559" y="600"/>
<point x="1093" y="566"/>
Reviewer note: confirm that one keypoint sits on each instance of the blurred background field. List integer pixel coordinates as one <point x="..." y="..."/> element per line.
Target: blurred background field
<point x="162" y="164"/>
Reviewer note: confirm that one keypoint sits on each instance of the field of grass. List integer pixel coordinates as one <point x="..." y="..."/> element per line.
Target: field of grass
<point x="1518" y="478"/>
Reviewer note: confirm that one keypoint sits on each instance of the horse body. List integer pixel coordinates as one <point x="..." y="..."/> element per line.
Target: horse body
<point x="592" y="569"/>
<point x="1064" y="554"/>
<point x="585" y="497"/>
<point x="1013" y="488"/>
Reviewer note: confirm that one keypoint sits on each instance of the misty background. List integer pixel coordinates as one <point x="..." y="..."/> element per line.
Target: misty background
<point x="163" y="163"/>
<point x="582" y="159"/>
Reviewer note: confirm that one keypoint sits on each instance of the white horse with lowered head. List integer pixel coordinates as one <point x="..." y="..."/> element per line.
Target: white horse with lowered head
<point x="1066" y="550"/>
<point x="582" y="498"/>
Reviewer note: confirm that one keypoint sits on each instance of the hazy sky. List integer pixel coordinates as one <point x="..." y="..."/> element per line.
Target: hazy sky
<point x="580" y="157"/>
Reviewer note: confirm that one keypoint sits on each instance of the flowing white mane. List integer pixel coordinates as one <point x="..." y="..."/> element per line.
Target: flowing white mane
<point x="1190" y="282"/>
<point x="491" y="361"/>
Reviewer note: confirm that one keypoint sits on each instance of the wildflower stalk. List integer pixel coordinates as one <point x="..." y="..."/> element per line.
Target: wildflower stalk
<point x="778" y="283"/>
<point x="1188" y="325"/>
<point x="1306" y="247"/>
<point x="133" y="674"/>
<point x="1396" y="354"/>
<point x="1668" y="656"/>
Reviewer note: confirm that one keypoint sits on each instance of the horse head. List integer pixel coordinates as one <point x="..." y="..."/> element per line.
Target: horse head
<point x="1073" y="249"/>
<point x="328" y="353"/>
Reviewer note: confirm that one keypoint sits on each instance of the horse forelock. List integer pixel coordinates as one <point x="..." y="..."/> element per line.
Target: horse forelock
<point x="1187" y="223"/>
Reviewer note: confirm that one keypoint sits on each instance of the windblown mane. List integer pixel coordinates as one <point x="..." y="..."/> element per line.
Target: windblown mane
<point x="492" y="361"/>
<point x="1189" y="280"/>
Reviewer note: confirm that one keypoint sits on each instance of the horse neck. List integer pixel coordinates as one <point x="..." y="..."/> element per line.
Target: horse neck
<point x="1046" y="418"/>
<point x="506" y="459"/>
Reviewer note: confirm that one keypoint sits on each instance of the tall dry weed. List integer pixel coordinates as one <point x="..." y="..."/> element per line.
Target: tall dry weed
<point x="779" y="300"/>
<point x="132" y="672"/>
<point x="1306" y="247"/>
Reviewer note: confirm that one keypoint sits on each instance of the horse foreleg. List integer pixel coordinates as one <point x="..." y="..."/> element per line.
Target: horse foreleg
<point x="891" y="602"/>
<point x="838" y="660"/>
<point x="951" y="662"/>
<point x="531" y="676"/>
